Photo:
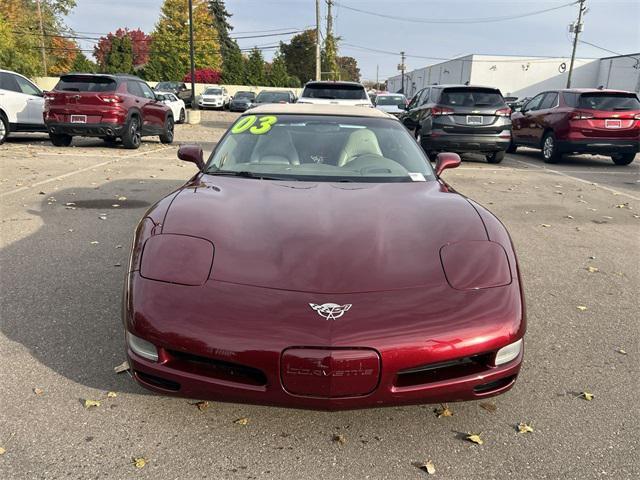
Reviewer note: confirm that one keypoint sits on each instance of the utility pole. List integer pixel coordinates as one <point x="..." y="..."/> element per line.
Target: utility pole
<point x="192" y="55"/>
<point x="329" y="18"/>
<point x="44" y="55"/>
<point x="318" y="72"/>
<point x="576" y="28"/>
<point x="377" y="71"/>
<point x="402" y="67"/>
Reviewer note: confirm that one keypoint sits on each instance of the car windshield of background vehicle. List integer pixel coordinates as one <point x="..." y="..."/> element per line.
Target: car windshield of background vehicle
<point x="335" y="92"/>
<point x="471" y="97"/>
<point x="390" y="100"/>
<point x="272" y="97"/>
<point x="167" y="85"/>
<point x="73" y="83"/>
<point x="609" y="101"/>
<point x="241" y="95"/>
<point x="320" y="148"/>
<point x="213" y="91"/>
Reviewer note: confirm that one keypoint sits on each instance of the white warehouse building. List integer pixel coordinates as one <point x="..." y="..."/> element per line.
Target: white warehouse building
<point x="524" y="76"/>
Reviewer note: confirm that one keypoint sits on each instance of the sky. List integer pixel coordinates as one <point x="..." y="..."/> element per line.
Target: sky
<point x="610" y="24"/>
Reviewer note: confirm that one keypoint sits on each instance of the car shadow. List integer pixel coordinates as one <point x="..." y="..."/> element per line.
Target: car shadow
<point x="62" y="291"/>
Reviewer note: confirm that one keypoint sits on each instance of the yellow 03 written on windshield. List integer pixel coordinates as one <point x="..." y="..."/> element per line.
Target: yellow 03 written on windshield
<point x="254" y="124"/>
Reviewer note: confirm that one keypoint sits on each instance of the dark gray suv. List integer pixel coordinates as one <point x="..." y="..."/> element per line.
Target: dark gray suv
<point x="460" y="118"/>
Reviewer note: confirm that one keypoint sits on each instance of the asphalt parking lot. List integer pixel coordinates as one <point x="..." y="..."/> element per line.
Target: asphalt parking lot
<point x="68" y="216"/>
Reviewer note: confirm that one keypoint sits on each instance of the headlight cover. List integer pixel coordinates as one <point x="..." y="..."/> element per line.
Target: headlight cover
<point x="142" y="347"/>
<point x="508" y="353"/>
<point x="474" y="265"/>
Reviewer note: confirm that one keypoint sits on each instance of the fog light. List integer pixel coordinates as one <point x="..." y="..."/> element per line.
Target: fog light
<point x="508" y="353"/>
<point x="143" y="348"/>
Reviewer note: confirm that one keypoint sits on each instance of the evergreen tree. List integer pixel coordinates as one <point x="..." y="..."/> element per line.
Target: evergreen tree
<point x="255" y="68"/>
<point x="232" y="61"/>
<point x="82" y="64"/>
<point x="120" y="58"/>
<point x="330" y="58"/>
<point x="233" y="66"/>
<point x="278" y="75"/>
<point x="169" y="55"/>
<point x="299" y="55"/>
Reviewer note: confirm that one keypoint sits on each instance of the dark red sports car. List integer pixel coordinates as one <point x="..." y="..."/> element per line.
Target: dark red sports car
<point x="318" y="261"/>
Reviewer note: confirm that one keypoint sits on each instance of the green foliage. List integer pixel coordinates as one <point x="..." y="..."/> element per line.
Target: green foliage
<point x="233" y="66"/>
<point x="120" y="58"/>
<point x="255" y="68"/>
<point x="278" y="75"/>
<point x="330" y="67"/>
<point x="169" y="56"/>
<point x="348" y="69"/>
<point x="299" y="55"/>
<point x="82" y="64"/>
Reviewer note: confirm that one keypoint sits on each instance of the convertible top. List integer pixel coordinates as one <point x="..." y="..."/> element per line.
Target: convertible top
<point x="309" y="109"/>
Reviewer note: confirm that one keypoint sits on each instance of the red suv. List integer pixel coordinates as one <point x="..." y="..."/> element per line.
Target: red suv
<point x="605" y="122"/>
<point x="108" y="106"/>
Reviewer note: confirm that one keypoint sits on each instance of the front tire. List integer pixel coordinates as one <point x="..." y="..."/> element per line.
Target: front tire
<point x="182" y="116"/>
<point x="132" y="136"/>
<point x="4" y="128"/>
<point x="549" y="149"/>
<point x="167" y="136"/>
<point x="620" y="158"/>
<point x="512" y="147"/>
<point x="495" y="157"/>
<point x="60" y="139"/>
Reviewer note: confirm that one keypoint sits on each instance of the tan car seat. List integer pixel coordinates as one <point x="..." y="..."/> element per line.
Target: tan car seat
<point x="361" y="142"/>
<point x="275" y="147"/>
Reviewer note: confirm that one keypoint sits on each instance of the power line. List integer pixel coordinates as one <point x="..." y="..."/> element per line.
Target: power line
<point x="455" y="20"/>
<point x="601" y="48"/>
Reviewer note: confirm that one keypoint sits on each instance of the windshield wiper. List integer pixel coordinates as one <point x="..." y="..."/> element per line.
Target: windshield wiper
<point x="247" y="174"/>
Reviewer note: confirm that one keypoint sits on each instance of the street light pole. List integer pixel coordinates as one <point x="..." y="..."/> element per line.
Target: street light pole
<point x="577" y="28"/>
<point x="318" y="69"/>
<point x="401" y="67"/>
<point x="44" y="55"/>
<point x="192" y="55"/>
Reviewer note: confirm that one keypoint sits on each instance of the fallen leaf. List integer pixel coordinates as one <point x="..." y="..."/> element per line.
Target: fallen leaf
<point x="592" y="269"/>
<point x="139" y="462"/>
<point x="38" y="391"/>
<point x="428" y="467"/>
<point x="622" y="205"/>
<point x="587" y="396"/>
<point x="95" y="242"/>
<point x="70" y="204"/>
<point x="582" y="308"/>
<point x="202" y="406"/>
<point x="545" y="225"/>
<point x="443" y="411"/>
<point x="118" y="246"/>
<point x="525" y="428"/>
<point x="489" y="407"/>
<point x="112" y="394"/>
<point x="123" y="367"/>
<point x="570" y="217"/>
<point x="241" y="421"/>
<point x="622" y="351"/>
<point x="115" y="205"/>
<point x="91" y="403"/>
<point x="2" y="451"/>
<point x="341" y="439"/>
<point x="117" y="264"/>
<point x="122" y="199"/>
<point x="475" y="438"/>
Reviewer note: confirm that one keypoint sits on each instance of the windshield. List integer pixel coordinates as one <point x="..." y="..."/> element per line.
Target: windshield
<point x="335" y="92"/>
<point x="272" y="97"/>
<point x="390" y="100"/>
<point x="213" y="91"/>
<point x="609" y="101"/>
<point x="320" y="148"/>
<point x="248" y="95"/>
<point x="471" y="97"/>
<point x="73" y="83"/>
<point x="169" y="85"/>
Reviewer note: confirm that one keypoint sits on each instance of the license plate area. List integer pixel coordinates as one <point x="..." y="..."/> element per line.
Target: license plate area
<point x="474" y="120"/>
<point x="613" y="123"/>
<point x="78" y="119"/>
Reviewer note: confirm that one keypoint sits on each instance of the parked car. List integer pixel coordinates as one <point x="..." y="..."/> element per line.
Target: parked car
<point x="393" y="103"/>
<point x="605" y="122"/>
<point x="241" y="101"/>
<point x="368" y="282"/>
<point x="176" y="105"/>
<point x="180" y="89"/>
<point x="214" y="97"/>
<point x="274" y="96"/>
<point x="460" y="118"/>
<point x="21" y="105"/>
<point x="335" y="93"/>
<point x="111" y="107"/>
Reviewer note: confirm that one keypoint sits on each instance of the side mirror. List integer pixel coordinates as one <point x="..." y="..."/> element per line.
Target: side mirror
<point x="446" y="160"/>
<point x="193" y="154"/>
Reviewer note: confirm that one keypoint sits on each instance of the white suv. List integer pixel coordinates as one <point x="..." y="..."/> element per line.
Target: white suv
<point x="335" y="93"/>
<point x="214" y="97"/>
<point x="21" y="105"/>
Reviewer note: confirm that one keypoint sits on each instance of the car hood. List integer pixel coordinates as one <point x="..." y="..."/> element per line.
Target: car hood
<point x="390" y="108"/>
<point x="324" y="237"/>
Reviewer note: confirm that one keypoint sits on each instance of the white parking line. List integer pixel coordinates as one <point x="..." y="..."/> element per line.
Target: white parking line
<point x="564" y="174"/>
<point x="80" y="170"/>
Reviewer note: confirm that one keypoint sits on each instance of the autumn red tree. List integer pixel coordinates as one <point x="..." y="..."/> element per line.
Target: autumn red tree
<point x="140" y="41"/>
<point x="204" y="75"/>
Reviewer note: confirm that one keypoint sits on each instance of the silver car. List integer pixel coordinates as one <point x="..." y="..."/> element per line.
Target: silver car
<point x="393" y="103"/>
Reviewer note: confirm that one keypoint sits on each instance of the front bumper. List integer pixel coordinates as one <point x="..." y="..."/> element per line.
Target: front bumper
<point x="599" y="146"/>
<point x="211" y="104"/>
<point x="440" y="141"/>
<point x="238" y="107"/>
<point x="235" y="352"/>
<point x="86" y="129"/>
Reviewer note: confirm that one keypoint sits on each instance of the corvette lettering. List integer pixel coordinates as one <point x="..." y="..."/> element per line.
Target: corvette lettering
<point x="321" y="372"/>
<point x="330" y="311"/>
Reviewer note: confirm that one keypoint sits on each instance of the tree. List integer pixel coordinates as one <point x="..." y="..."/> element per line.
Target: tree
<point x="203" y="75"/>
<point x="348" y="69"/>
<point x="119" y="59"/>
<point x="64" y="52"/>
<point x="232" y="61"/>
<point x="278" y="75"/>
<point x="82" y="64"/>
<point x="233" y="66"/>
<point x="330" y="67"/>
<point x="169" y="55"/>
<point x="255" y="68"/>
<point x="140" y="43"/>
<point x="299" y="55"/>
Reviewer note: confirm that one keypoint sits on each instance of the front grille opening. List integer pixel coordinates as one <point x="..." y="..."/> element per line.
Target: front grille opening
<point x="437" y="372"/>
<point x="495" y="385"/>
<point x="219" y="369"/>
<point x="158" y="382"/>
